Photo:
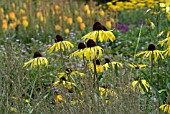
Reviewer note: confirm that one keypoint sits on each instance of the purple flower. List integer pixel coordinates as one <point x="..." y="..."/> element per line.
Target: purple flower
<point x="122" y="27"/>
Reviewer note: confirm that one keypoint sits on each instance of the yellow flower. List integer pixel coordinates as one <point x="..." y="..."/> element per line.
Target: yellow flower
<point x="58" y="98"/>
<point x="64" y="76"/>
<point x="99" y="67"/>
<point x="145" y="85"/>
<point x="107" y="64"/>
<point x="66" y="31"/>
<point x="92" y="50"/>
<point x="167" y="51"/>
<point x="69" y="20"/>
<point x="167" y="39"/>
<point x="25" y="23"/>
<point x="138" y="66"/>
<point x="82" y="26"/>
<point x="86" y="7"/>
<point x="79" y="19"/>
<point x="99" y="33"/>
<point x="57" y="27"/>
<point x="60" y="44"/>
<point x="12" y="15"/>
<point x="78" y="52"/>
<point x="108" y="24"/>
<point x="165" y="107"/>
<point x="4" y="26"/>
<point x="151" y="53"/>
<point x="37" y="61"/>
<point x="101" y="12"/>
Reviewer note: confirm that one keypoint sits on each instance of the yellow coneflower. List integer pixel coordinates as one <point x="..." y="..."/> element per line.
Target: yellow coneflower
<point x="108" y="63"/>
<point x="78" y="52"/>
<point x="167" y="39"/>
<point x="99" y="33"/>
<point x="152" y="53"/>
<point x="165" y="107"/>
<point x="92" y="50"/>
<point x="60" y="44"/>
<point x="57" y="8"/>
<point x="144" y="83"/>
<point x="79" y="19"/>
<point x="138" y="66"/>
<point x="37" y="61"/>
<point x="57" y="27"/>
<point x="4" y="26"/>
<point x="66" y="31"/>
<point x="99" y="67"/>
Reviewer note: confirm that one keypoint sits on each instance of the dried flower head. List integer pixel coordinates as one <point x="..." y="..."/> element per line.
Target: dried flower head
<point x="91" y="43"/>
<point x="97" y="26"/>
<point x="37" y="54"/>
<point x="81" y="45"/>
<point x="58" y="38"/>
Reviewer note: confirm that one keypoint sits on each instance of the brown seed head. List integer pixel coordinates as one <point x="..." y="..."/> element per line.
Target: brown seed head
<point x="97" y="62"/>
<point x="37" y="54"/>
<point x="104" y="28"/>
<point x="58" y="38"/>
<point x="107" y="60"/>
<point x="91" y="43"/>
<point x="97" y="26"/>
<point x="151" y="47"/>
<point x="81" y="45"/>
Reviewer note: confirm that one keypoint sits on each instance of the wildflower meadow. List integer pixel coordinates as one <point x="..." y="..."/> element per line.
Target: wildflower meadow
<point x="84" y="56"/>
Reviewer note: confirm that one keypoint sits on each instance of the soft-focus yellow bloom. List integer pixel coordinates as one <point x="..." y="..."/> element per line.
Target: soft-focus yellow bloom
<point x="144" y="83"/>
<point x="82" y="26"/>
<point x="4" y="26"/>
<point x="69" y="20"/>
<point x="150" y="23"/>
<point x="12" y="15"/>
<point x="79" y="19"/>
<point x="57" y="8"/>
<point x="25" y="23"/>
<point x="66" y="31"/>
<point x="21" y="11"/>
<point x="86" y="7"/>
<point x="101" y="12"/>
<point x="138" y="66"/>
<point x="57" y="27"/>
<point x="165" y="107"/>
<point x="39" y="14"/>
<point x="12" y="25"/>
<point x="108" y="24"/>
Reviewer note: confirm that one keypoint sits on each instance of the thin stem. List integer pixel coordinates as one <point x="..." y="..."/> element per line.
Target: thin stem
<point x="152" y="65"/>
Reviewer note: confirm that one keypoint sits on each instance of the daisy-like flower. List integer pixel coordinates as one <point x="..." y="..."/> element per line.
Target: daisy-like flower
<point x="108" y="63"/>
<point x="165" y="107"/>
<point x="68" y="72"/>
<point x="99" y="67"/>
<point x="142" y="84"/>
<point x="167" y="39"/>
<point x="37" y="61"/>
<point x="138" y="66"/>
<point x="92" y="50"/>
<point x="99" y="33"/>
<point x="81" y="46"/>
<point x="151" y="51"/>
<point x="60" y="44"/>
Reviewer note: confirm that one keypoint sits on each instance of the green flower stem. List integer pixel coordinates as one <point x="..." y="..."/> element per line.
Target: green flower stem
<point x="152" y="66"/>
<point x="96" y="83"/>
